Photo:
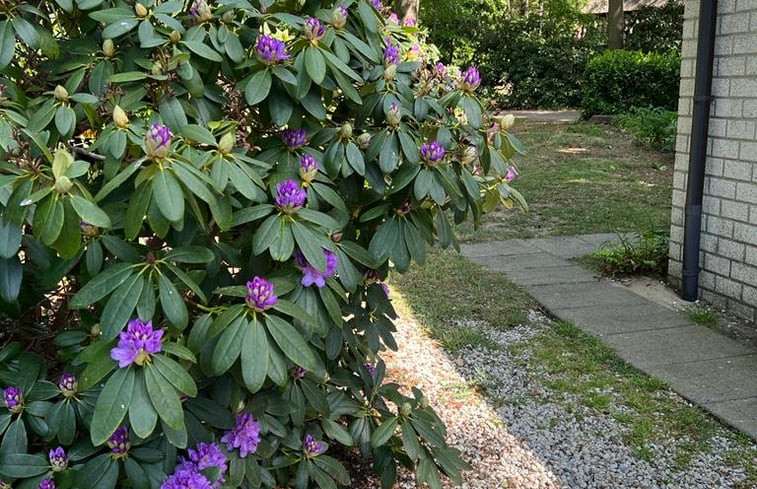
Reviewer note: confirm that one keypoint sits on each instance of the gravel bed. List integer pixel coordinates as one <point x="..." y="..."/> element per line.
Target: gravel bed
<point x="527" y="436"/>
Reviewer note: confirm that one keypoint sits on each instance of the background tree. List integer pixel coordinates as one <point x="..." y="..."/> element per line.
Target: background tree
<point x="615" y="24"/>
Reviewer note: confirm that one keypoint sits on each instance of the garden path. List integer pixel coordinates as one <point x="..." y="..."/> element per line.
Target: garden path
<point x="709" y="369"/>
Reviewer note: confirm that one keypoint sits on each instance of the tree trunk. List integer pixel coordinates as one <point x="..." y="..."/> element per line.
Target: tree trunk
<point x="408" y="9"/>
<point x="615" y="24"/>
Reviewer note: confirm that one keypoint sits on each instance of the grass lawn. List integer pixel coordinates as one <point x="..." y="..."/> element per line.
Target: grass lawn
<point x="579" y="179"/>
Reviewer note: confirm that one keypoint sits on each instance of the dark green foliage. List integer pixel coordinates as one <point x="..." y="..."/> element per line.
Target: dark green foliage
<point x="654" y="29"/>
<point x="655" y="128"/>
<point x="645" y="254"/>
<point x="619" y="80"/>
<point x="233" y="180"/>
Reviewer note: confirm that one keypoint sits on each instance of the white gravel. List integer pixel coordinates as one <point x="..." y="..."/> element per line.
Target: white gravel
<point x="527" y="436"/>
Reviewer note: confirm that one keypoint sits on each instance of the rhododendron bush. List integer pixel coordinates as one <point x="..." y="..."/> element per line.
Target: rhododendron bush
<point x="200" y="204"/>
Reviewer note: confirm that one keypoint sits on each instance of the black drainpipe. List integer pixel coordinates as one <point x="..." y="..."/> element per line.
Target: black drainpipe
<point x="700" y="123"/>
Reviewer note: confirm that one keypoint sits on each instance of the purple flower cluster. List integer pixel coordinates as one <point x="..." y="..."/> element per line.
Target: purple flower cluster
<point x="47" y="484"/>
<point x="377" y="4"/>
<point x="289" y="196"/>
<point x="313" y="29"/>
<point x="119" y="442"/>
<point x="58" y="459"/>
<point x="310" y="274"/>
<point x="432" y="152"/>
<point x="298" y="372"/>
<point x="312" y="447"/>
<point x="294" y="138"/>
<point x="410" y="22"/>
<point x="370" y="368"/>
<point x="68" y="385"/>
<point x="271" y="50"/>
<point x="14" y="399"/>
<point x="471" y="79"/>
<point x="512" y="173"/>
<point x="245" y="435"/>
<point x="393" y="18"/>
<point x="137" y="343"/>
<point x="260" y="294"/>
<point x="188" y="474"/>
<point x="308" y="167"/>
<point x="339" y="16"/>
<point x="158" y="141"/>
<point x="391" y="55"/>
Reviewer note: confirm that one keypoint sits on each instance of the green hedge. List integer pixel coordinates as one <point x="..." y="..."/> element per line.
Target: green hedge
<point x="619" y="80"/>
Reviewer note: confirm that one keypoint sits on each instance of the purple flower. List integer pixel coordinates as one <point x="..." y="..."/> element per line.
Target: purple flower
<point x="186" y="476"/>
<point x="512" y="172"/>
<point x="58" y="459"/>
<point x="393" y="18"/>
<point x="312" y="447"/>
<point x="207" y="455"/>
<point x="245" y="435"/>
<point x="137" y="343"/>
<point x="298" y="372"/>
<point x="410" y="22"/>
<point x="289" y="196"/>
<point x="47" y="484"/>
<point x="432" y="152"/>
<point x="119" y="443"/>
<point x="370" y="368"/>
<point x="391" y="55"/>
<point x="308" y="168"/>
<point x="271" y="50"/>
<point x="260" y="294"/>
<point x="68" y="385"/>
<point x="200" y="10"/>
<point x="471" y="79"/>
<point x="441" y="70"/>
<point x="313" y="29"/>
<point x="385" y="288"/>
<point x="14" y="399"/>
<point x="339" y="16"/>
<point x="294" y="138"/>
<point x="158" y="141"/>
<point x="377" y="4"/>
<point x="310" y="274"/>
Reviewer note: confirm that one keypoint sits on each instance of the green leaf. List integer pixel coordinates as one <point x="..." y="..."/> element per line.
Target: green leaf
<point x="67" y="423"/>
<point x="65" y="121"/>
<point x="179" y="351"/>
<point x="282" y="245"/>
<point x="310" y="245"/>
<point x="7" y="44"/>
<point x="176" y="375"/>
<point x="164" y="398"/>
<point x="254" y="352"/>
<point x="100" y="472"/>
<point x="229" y="346"/>
<point x="11" y="275"/>
<point x="120" y="27"/>
<point x="172" y="303"/>
<point x="15" y="439"/>
<point x="172" y="112"/>
<point x="112" y="405"/>
<point x="315" y="65"/>
<point x="17" y="465"/>
<point x="48" y="220"/>
<point x="168" y="195"/>
<point x="258" y="87"/>
<point x="292" y="344"/>
<point x="199" y="134"/>
<point x="134" y="472"/>
<point x="201" y="49"/>
<point x="10" y="240"/>
<point x="118" y="180"/>
<point x="337" y="432"/>
<point x="190" y="254"/>
<point x="142" y="415"/>
<point x="89" y="212"/>
<point x="120" y="306"/>
<point x="127" y="76"/>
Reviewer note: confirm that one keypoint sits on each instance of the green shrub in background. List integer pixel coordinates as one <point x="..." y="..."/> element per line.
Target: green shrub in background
<point x="655" y="128"/>
<point x="200" y="202"/>
<point x="654" y="29"/>
<point x="619" y="80"/>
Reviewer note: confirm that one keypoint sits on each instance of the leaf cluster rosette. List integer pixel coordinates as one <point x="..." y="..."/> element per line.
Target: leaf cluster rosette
<point x="200" y="202"/>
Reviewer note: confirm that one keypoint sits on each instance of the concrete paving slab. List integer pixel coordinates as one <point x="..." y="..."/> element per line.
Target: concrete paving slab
<point x="674" y="345"/>
<point x="602" y="320"/>
<point x="552" y="275"/>
<point x="597" y="240"/>
<point x="497" y="248"/>
<point x="530" y="261"/>
<point x="564" y="246"/>
<point x="710" y="381"/>
<point x="739" y="413"/>
<point x="564" y="296"/>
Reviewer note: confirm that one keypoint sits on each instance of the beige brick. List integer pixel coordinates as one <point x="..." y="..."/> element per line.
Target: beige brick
<point x="725" y="148"/>
<point x="739" y="170"/>
<point x="746" y="192"/>
<point x="731" y="249"/>
<point x="751" y="255"/>
<point x="744" y="273"/>
<point x="719" y="227"/>
<point x="717" y="264"/>
<point x="748" y="151"/>
<point x="735" y="23"/>
<point x="728" y="107"/>
<point x="721" y="87"/>
<point x="728" y="287"/>
<point x="737" y="211"/>
<point x="706" y="280"/>
<point x="751" y="63"/>
<point x="730" y="66"/>
<point x="740" y="129"/>
<point x="708" y="243"/>
<point x="718" y="127"/>
<point x="746" y="233"/>
<point x="749" y="295"/>
<point x="753" y="214"/>
<point x="744" y="44"/>
<point x="711" y="205"/>
<point x="714" y="167"/>
<point x="743" y="87"/>
<point x="750" y="108"/>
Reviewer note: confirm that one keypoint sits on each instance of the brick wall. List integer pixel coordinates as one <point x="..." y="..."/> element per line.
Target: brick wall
<point x="728" y="259"/>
